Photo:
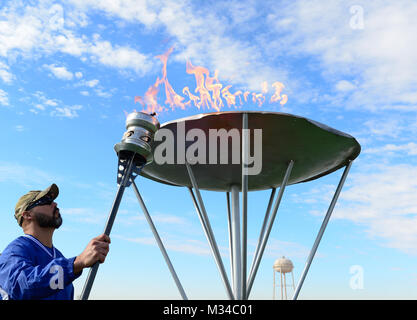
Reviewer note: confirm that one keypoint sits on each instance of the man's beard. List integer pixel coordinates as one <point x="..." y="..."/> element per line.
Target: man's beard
<point x="45" y="221"/>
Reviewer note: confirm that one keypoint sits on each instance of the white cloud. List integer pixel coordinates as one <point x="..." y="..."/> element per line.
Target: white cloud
<point x="18" y="34"/>
<point x="205" y="38"/>
<point x="128" y="10"/>
<point x="344" y="85"/>
<point x="77" y="211"/>
<point x="159" y="218"/>
<point x="71" y="44"/>
<point x="76" y="18"/>
<point x="19" y="128"/>
<point x="119" y="57"/>
<point x="169" y="219"/>
<point x="277" y="248"/>
<point x="44" y="102"/>
<point x="391" y="127"/>
<point x="60" y="72"/>
<point x="179" y="245"/>
<point x="4" y="99"/>
<point x="103" y="94"/>
<point x="202" y="36"/>
<point x="40" y="29"/>
<point x="380" y="57"/>
<point x="66" y="111"/>
<point x="78" y="75"/>
<point x="55" y="107"/>
<point x="384" y="201"/>
<point x="380" y="198"/>
<point x="51" y="102"/>
<point x="26" y="176"/>
<point x="5" y="75"/>
<point x="409" y="148"/>
<point x="97" y="88"/>
<point x="91" y="83"/>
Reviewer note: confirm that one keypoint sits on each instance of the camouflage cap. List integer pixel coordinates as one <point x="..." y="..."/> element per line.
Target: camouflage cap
<point x="32" y="196"/>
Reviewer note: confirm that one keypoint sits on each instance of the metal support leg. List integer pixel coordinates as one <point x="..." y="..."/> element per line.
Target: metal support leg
<point x="229" y="224"/>
<point x="109" y="224"/>
<point x="322" y="229"/>
<point x="237" y="261"/>
<point x="264" y="224"/>
<point x="245" y="160"/>
<point x="207" y="229"/>
<point x="159" y="241"/>
<point x="269" y="228"/>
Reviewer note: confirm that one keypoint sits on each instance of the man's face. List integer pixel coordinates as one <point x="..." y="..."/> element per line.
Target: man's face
<point x="47" y="216"/>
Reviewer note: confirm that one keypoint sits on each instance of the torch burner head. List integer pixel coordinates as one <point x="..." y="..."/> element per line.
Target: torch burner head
<point x="140" y="130"/>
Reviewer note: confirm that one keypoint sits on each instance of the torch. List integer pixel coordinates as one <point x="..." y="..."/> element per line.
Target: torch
<point x="136" y="141"/>
<point x="134" y="152"/>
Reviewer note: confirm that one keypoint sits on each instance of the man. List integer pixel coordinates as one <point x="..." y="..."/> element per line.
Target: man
<point x="30" y="266"/>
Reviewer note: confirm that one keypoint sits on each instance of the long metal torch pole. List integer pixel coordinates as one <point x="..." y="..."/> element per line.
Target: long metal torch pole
<point x="112" y="216"/>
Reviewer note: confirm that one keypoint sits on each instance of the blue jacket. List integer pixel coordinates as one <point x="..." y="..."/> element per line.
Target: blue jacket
<point x="30" y="270"/>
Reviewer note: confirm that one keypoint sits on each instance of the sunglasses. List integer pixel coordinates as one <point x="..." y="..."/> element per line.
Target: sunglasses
<point x="41" y="202"/>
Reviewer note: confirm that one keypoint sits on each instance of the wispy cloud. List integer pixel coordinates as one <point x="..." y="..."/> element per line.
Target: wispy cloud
<point x="90" y="83"/>
<point x="278" y="248"/>
<point x="42" y="29"/>
<point x="117" y="56"/>
<point x="4" y="98"/>
<point x="84" y="215"/>
<point x="60" y="72"/>
<point x="44" y="101"/>
<point x="380" y="198"/>
<point x="5" y="73"/>
<point x="202" y="37"/>
<point x="66" y="112"/>
<point x="55" y="107"/>
<point x="180" y="245"/>
<point x="384" y="201"/>
<point x="158" y="218"/>
<point x="26" y="176"/>
<point x="391" y="127"/>
<point x="378" y="56"/>
<point x="393" y="149"/>
<point x="143" y="11"/>
<point x="19" y="128"/>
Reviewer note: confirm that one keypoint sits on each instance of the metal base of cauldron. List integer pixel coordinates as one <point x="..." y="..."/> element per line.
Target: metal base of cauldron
<point x="297" y="150"/>
<point x="294" y="150"/>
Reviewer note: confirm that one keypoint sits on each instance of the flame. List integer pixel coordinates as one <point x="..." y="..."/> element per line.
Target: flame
<point x="264" y="87"/>
<point x="172" y="98"/>
<point x="209" y="92"/>
<point x="278" y="86"/>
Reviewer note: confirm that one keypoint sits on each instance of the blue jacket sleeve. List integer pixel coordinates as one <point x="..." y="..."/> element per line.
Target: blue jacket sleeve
<point x="28" y="281"/>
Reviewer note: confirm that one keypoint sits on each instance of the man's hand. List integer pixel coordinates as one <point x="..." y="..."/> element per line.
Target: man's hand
<point x="96" y="250"/>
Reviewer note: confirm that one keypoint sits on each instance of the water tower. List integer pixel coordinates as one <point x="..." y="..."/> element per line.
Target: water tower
<point x="283" y="266"/>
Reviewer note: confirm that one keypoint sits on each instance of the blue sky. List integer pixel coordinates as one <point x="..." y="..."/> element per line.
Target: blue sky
<point x="70" y="70"/>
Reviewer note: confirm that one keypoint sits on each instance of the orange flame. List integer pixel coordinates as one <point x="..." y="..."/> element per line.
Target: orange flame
<point x="172" y="98"/>
<point x="278" y="86"/>
<point x="209" y="92"/>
